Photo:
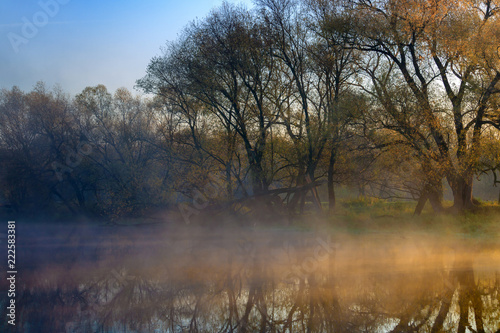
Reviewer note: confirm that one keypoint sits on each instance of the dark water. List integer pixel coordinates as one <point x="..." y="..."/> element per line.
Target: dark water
<point x="153" y="279"/>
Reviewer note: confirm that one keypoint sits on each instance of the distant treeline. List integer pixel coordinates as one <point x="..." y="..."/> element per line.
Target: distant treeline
<point x="392" y="98"/>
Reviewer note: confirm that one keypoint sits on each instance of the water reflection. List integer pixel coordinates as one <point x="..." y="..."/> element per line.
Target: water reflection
<point x="256" y="281"/>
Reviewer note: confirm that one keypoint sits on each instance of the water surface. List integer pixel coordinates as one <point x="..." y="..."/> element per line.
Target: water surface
<point x="156" y="279"/>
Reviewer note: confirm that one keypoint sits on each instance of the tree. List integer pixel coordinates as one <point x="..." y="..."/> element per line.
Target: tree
<point x="437" y="50"/>
<point x="335" y="64"/>
<point x="291" y="39"/>
<point x="38" y="136"/>
<point x="223" y="63"/>
<point x="120" y="129"/>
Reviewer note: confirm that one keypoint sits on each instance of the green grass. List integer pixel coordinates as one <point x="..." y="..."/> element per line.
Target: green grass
<point x="377" y="207"/>
<point x="371" y="215"/>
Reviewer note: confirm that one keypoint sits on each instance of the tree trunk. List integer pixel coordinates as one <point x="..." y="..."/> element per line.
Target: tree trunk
<point x="462" y="194"/>
<point x="297" y="196"/>
<point x="421" y="203"/>
<point x="229" y="181"/>
<point x="433" y="193"/>
<point x="315" y="196"/>
<point x="436" y="197"/>
<point x="331" y="188"/>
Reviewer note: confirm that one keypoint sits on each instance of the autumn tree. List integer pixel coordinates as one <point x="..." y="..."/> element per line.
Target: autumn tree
<point x="438" y="51"/>
<point x="335" y="64"/>
<point x="225" y="68"/>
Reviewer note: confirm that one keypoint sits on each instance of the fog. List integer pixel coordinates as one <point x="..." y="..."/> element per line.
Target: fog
<point x="161" y="278"/>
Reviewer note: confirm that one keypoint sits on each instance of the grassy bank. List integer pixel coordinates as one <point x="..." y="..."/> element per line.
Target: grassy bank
<point x="370" y="215"/>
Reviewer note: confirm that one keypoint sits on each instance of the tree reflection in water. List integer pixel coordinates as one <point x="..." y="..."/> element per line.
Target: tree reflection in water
<point x="258" y="282"/>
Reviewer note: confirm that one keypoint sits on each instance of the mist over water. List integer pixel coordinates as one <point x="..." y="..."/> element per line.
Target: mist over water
<point x="199" y="279"/>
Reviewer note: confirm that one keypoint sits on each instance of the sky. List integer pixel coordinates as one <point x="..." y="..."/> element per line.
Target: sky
<point x="81" y="43"/>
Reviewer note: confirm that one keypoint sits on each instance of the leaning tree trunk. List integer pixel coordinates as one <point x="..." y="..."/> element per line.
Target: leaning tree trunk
<point x="433" y="193"/>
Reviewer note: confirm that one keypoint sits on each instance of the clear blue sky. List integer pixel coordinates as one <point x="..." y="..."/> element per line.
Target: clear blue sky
<point x="80" y="43"/>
